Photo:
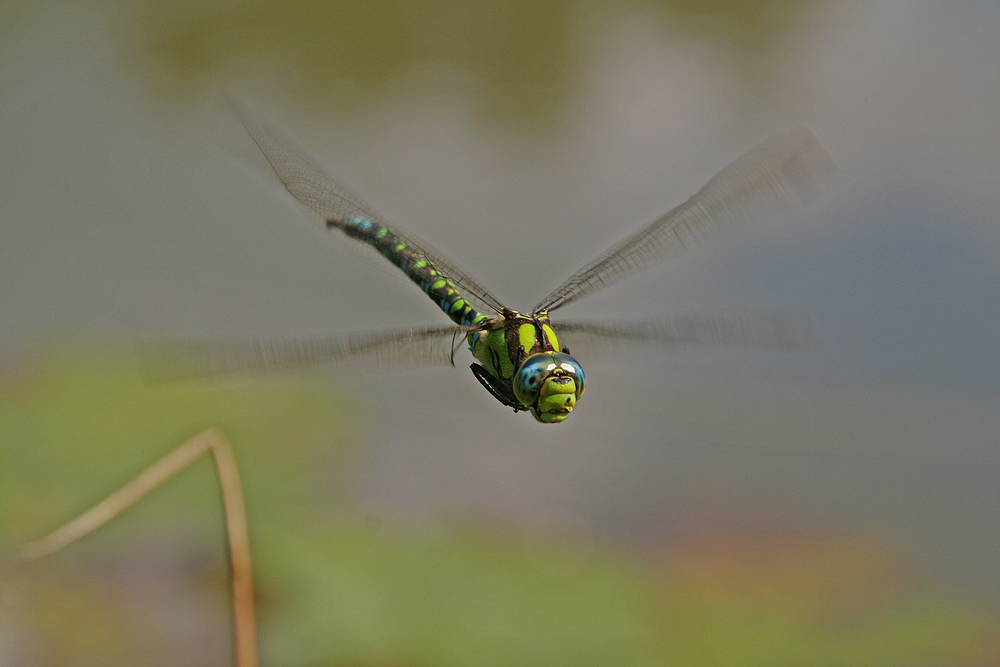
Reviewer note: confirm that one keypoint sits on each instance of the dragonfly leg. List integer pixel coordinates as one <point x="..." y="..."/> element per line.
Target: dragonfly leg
<point x="454" y="347"/>
<point x="496" y="389"/>
<point x="521" y="356"/>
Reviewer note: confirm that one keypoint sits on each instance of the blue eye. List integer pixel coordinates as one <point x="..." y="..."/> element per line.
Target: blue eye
<point x="547" y="368"/>
<point x="572" y="368"/>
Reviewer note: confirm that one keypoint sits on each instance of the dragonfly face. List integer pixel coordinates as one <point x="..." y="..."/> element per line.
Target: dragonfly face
<point x="549" y="383"/>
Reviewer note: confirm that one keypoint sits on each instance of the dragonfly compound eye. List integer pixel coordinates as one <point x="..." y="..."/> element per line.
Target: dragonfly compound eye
<point x="549" y="384"/>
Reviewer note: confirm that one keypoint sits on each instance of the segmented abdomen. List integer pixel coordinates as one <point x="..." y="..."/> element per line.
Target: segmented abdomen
<point x="412" y="261"/>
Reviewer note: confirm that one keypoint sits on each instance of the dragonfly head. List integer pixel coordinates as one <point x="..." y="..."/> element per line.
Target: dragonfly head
<point x="549" y="384"/>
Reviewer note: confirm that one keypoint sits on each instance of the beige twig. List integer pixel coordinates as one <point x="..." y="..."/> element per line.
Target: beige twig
<point x="214" y="441"/>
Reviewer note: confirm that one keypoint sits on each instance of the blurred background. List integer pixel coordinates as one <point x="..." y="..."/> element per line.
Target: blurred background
<point x="836" y="505"/>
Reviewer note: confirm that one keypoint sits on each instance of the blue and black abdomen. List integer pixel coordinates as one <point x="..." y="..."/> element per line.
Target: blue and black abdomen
<point x="412" y="261"/>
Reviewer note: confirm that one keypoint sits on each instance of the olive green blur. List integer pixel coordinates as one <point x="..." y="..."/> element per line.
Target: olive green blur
<point x="521" y="60"/>
<point x="339" y="587"/>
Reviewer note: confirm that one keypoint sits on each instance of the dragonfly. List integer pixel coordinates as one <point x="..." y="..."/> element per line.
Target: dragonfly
<point x="521" y="358"/>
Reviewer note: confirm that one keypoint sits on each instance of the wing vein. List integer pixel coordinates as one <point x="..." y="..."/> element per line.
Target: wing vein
<point x="774" y="178"/>
<point x="335" y="201"/>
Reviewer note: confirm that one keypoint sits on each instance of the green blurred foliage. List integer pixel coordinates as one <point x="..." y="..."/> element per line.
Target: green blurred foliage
<point x="336" y="588"/>
<point x="521" y="60"/>
<point x="76" y="421"/>
<point x="11" y="15"/>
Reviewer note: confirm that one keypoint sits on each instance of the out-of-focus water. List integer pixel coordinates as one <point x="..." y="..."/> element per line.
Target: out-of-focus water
<point x="132" y="210"/>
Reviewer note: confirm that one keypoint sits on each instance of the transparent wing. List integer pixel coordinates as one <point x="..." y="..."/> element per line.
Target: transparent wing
<point x="762" y="330"/>
<point x="173" y="360"/>
<point x="335" y="201"/>
<point x="775" y="177"/>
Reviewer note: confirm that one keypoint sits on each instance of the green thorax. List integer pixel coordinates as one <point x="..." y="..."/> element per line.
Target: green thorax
<point x="523" y="367"/>
<point x="503" y="344"/>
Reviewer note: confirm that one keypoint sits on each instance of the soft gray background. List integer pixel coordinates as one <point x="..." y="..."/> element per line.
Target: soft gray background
<point x="124" y="215"/>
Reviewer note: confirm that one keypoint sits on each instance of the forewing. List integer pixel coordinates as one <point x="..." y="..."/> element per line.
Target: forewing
<point x="175" y="360"/>
<point x="773" y="178"/>
<point x="335" y="202"/>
